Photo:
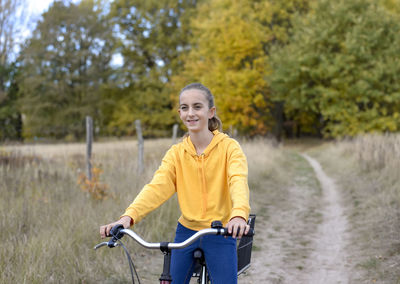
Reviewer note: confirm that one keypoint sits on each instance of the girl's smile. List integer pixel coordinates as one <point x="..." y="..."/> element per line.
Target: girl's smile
<point x="192" y="121"/>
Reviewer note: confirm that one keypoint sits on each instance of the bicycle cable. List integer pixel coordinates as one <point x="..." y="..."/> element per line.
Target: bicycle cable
<point x="131" y="264"/>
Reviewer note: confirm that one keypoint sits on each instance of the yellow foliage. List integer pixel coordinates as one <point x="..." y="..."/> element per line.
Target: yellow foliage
<point x="228" y="57"/>
<point x="392" y="6"/>
<point x="229" y="54"/>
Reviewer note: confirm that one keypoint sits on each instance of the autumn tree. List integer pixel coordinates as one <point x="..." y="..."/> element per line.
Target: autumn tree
<point x="339" y="74"/>
<point x="63" y="68"/>
<point x="392" y="6"/>
<point x="228" y="57"/>
<point x="151" y="34"/>
<point x="229" y="53"/>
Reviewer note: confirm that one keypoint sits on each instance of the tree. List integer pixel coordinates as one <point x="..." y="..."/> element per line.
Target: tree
<point x="152" y="35"/>
<point x="277" y="16"/>
<point x="10" y="116"/>
<point x="229" y="54"/>
<point x="392" y="6"/>
<point x="11" y="22"/>
<point x="339" y="74"/>
<point x="64" y="67"/>
<point x="12" y="18"/>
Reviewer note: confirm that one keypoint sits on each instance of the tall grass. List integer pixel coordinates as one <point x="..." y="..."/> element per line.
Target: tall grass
<point x="367" y="168"/>
<point x="264" y="160"/>
<point x="48" y="225"/>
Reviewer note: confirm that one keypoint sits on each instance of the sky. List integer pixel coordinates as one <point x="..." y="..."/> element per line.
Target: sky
<point x="37" y="7"/>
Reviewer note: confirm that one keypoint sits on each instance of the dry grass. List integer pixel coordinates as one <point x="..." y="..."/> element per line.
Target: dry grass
<point x="48" y="225"/>
<point x="265" y="162"/>
<point x="367" y="170"/>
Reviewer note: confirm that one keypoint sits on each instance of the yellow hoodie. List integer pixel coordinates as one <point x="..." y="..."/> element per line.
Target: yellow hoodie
<point x="211" y="186"/>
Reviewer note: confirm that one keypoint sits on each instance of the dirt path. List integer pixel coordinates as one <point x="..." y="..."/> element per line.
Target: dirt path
<point x="329" y="259"/>
<point x="301" y="233"/>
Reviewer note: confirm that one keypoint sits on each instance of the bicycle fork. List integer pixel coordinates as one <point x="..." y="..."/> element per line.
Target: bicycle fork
<point x="199" y="257"/>
<point x="204" y="275"/>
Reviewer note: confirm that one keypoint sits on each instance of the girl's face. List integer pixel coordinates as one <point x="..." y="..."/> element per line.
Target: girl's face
<point x="194" y="110"/>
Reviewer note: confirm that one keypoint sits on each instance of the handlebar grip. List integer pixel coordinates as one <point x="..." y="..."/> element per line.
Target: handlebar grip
<point x="115" y="234"/>
<point x="218" y="225"/>
<point x="116" y="231"/>
<point x="250" y="233"/>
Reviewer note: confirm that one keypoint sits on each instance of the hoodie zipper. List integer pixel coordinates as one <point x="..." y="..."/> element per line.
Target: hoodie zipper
<point x="203" y="187"/>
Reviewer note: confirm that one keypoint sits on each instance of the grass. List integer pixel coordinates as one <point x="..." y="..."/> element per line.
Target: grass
<point x="367" y="169"/>
<point x="49" y="225"/>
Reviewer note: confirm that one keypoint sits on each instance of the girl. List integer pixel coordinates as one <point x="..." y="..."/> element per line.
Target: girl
<point x="208" y="171"/>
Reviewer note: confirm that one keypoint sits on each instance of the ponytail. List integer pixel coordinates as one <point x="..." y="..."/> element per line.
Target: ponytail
<point x="214" y="123"/>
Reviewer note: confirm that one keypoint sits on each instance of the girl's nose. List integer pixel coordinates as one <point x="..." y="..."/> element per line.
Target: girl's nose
<point x="191" y="111"/>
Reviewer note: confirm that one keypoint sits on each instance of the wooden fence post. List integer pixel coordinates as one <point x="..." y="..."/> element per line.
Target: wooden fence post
<point x="140" y="146"/>
<point x="89" y="141"/>
<point x="174" y="133"/>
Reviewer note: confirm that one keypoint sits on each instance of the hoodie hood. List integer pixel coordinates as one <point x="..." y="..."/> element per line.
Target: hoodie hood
<point x="189" y="147"/>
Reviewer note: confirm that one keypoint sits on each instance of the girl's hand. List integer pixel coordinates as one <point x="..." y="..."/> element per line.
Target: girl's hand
<point x="237" y="226"/>
<point x="105" y="229"/>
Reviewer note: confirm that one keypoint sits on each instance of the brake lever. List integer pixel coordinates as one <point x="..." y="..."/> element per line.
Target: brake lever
<point x="100" y="245"/>
<point x="115" y="235"/>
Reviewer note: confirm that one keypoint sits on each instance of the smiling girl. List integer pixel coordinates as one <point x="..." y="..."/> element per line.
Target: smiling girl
<point x="208" y="171"/>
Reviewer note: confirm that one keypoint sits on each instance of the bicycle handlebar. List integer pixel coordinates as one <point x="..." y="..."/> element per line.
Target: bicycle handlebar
<point x="118" y="231"/>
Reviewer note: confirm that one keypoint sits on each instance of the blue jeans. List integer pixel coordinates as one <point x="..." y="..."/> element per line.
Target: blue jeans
<point x="219" y="252"/>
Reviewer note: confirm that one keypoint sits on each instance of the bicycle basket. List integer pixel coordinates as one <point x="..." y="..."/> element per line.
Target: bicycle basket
<point x="244" y="248"/>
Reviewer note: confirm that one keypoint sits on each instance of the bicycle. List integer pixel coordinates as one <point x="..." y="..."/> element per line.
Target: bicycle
<point x="244" y="249"/>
